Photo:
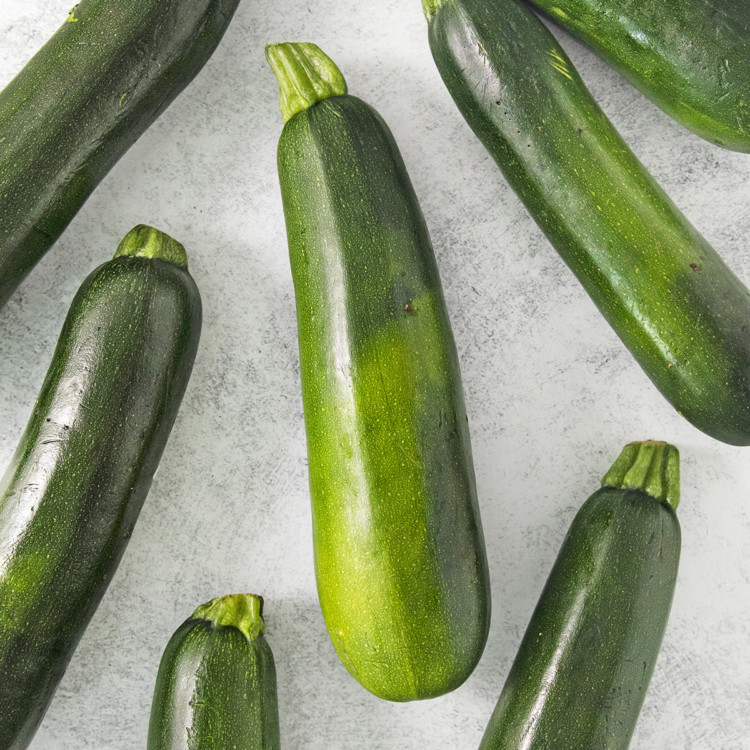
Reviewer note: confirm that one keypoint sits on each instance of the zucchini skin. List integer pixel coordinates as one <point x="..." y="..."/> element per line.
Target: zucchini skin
<point x="215" y="690"/>
<point x="581" y="673"/>
<point x="399" y="552"/>
<point x="671" y="299"/>
<point x="81" y="102"/>
<point x="75" y="486"/>
<point x="690" y="58"/>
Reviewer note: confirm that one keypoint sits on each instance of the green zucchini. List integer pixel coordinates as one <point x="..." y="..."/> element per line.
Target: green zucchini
<point x="674" y="303"/>
<point x="399" y="551"/>
<point x="584" y="665"/>
<point x="216" y="687"/>
<point x="112" y="68"/>
<point x="75" y="486"/>
<point x="691" y="58"/>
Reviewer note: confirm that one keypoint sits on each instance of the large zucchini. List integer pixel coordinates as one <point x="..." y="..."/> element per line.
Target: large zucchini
<point x="399" y="552"/>
<point x="690" y="57"/>
<point x="678" y="308"/>
<point x="216" y="687"/>
<point x="81" y="102"/>
<point x="584" y="665"/>
<point x="73" y="491"/>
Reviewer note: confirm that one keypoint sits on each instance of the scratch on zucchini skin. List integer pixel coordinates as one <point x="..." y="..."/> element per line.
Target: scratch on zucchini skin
<point x="558" y="63"/>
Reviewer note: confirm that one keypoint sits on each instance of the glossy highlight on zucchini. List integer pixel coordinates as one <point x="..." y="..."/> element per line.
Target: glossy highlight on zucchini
<point x="73" y="491"/>
<point x="399" y="551"/>
<point x="690" y="57"/>
<point x="671" y="299"/>
<point x="585" y="662"/>
<point x="216" y="687"/>
<point x="77" y="106"/>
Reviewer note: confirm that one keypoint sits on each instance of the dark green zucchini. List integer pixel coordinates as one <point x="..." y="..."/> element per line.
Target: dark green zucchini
<point x="581" y="673"/>
<point x="75" y="486"/>
<point x="399" y="551"/>
<point x="80" y="103"/>
<point x="690" y="57"/>
<point x="678" y="308"/>
<point x="216" y="687"/>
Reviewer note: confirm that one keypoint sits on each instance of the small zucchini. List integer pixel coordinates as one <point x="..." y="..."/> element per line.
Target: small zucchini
<point x="399" y="551"/>
<point x="77" y="106"/>
<point x="75" y="486"/>
<point x="671" y="299"/>
<point x="691" y="58"/>
<point x="584" y="665"/>
<point x="216" y="687"/>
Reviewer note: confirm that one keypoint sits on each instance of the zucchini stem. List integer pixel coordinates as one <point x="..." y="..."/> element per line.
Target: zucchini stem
<point x="241" y="611"/>
<point x="305" y="75"/>
<point x="650" y="466"/>
<point x="146" y="242"/>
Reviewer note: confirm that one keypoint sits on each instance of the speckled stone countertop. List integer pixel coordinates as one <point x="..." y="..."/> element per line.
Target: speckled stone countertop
<point x="552" y="394"/>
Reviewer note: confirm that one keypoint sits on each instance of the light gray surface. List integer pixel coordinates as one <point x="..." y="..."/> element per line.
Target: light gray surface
<point x="552" y="394"/>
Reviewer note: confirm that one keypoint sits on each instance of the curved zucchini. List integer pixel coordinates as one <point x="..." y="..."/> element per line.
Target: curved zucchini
<point x="216" y="687"/>
<point x="584" y="665"/>
<point x="88" y="94"/>
<point x="690" y="57"/>
<point x="75" y="486"/>
<point x="674" y="303"/>
<point x="399" y="552"/>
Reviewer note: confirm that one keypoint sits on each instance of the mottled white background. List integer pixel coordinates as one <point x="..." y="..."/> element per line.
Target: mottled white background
<point x="552" y="394"/>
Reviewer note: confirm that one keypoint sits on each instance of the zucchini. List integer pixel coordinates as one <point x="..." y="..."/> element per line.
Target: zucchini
<point x="690" y="58"/>
<point x="111" y="69"/>
<point x="399" y="552"/>
<point x="671" y="299"/>
<point x="75" y="486"/>
<point x="216" y="687"/>
<point x="584" y="665"/>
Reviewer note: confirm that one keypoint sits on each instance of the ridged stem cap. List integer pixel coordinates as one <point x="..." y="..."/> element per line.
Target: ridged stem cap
<point x="241" y="611"/>
<point x="650" y="466"/>
<point x="305" y="75"/>
<point x="146" y="242"/>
